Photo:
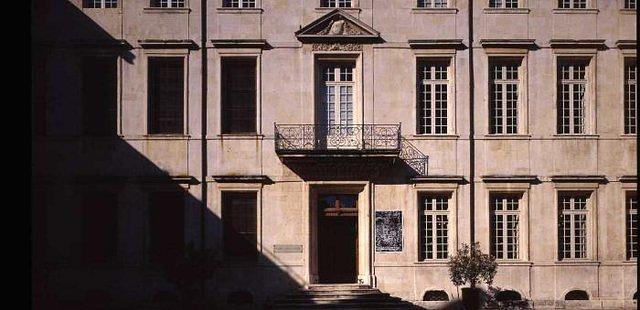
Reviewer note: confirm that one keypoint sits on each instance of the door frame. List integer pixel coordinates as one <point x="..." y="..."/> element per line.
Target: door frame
<point x="364" y="205"/>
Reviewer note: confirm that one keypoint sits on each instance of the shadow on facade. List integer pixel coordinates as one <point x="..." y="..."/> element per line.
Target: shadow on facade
<point x="67" y="168"/>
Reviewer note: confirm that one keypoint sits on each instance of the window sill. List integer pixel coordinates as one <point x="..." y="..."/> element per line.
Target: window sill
<point x="433" y="262"/>
<point x="435" y="137"/>
<point x="506" y="11"/>
<point x="507" y="137"/>
<point x="575" y="11"/>
<point x="434" y="11"/>
<point x="158" y="136"/>
<point x="225" y="10"/>
<point x="506" y="262"/>
<point x="167" y="10"/>
<point x="628" y="11"/>
<point x="575" y="137"/>
<point x="577" y="262"/>
<point x="628" y="136"/>
<point x="241" y="136"/>
<point x="327" y="9"/>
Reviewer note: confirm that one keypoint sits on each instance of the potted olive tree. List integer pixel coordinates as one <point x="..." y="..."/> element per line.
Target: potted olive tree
<point x="471" y="266"/>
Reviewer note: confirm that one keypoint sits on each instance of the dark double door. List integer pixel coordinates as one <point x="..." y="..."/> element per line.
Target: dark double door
<point x="337" y="238"/>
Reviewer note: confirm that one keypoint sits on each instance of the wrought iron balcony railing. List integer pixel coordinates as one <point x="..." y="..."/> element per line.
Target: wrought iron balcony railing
<point x="305" y="138"/>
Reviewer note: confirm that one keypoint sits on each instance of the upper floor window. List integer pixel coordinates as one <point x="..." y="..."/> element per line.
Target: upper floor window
<point x="631" y="206"/>
<point x="573" y="225"/>
<point x="504" y="96"/>
<point x="239" y="92"/>
<point x="239" y="3"/>
<point x="630" y="4"/>
<point x="505" y="224"/>
<point x="434" y="226"/>
<point x="166" y="95"/>
<point x="432" y="3"/>
<point x="433" y="89"/>
<point x="106" y="4"/>
<point x="168" y="3"/>
<point x="239" y="224"/>
<point x="337" y="88"/>
<point x="572" y="4"/>
<point x="336" y="3"/>
<point x="630" y="96"/>
<point x="507" y="4"/>
<point x="99" y="95"/>
<point x="572" y="93"/>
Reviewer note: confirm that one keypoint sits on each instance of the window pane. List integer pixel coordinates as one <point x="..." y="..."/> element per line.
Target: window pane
<point x="99" y="95"/>
<point x="239" y="224"/>
<point x="166" y="226"/>
<point x="572" y="85"/>
<point x="434" y="225"/>
<point x="100" y="226"/>
<point x="239" y="95"/>
<point x="630" y="96"/>
<point x="631" y="202"/>
<point x="432" y="89"/>
<point x="573" y="225"/>
<point x="166" y="95"/>
<point x="504" y="225"/>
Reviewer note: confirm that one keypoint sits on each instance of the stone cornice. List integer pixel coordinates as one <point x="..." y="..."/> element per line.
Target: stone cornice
<point x="626" y="44"/>
<point x="240" y="43"/>
<point x="509" y="43"/>
<point x="262" y="179"/>
<point x="510" y="179"/>
<point x="436" y="43"/>
<point x="579" y="179"/>
<point x="628" y="179"/>
<point x="312" y="32"/>
<point x="457" y="179"/>
<point x="573" y="43"/>
<point x="168" y="44"/>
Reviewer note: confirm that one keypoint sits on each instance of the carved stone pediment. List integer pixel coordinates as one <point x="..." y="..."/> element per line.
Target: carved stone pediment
<point x="337" y="26"/>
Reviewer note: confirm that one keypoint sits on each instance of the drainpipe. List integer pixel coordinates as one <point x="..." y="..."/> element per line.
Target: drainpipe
<point x="203" y="130"/>
<point x="472" y="144"/>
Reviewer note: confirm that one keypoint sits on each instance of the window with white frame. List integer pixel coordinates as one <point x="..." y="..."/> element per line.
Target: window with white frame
<point x="100" y="4"/>
<point x="433" y="95"/>
<point x="572" y="4"/>
<point x="572" y="93"/>
<point x="239" y="3"/>
<point x="631" y="206"/>
<point x="434" y="225"/>
<point x="505" y="222"/>
<point x="504" y="4"/>
<point x="630" y="4"/>
<point x="336" y="3"/>
<point x="503" y="101"/>
<point x="432" y="3"/>
<point x="168" y="3"/>
<point x="573" y="225"/>
<point x="630" y="96"/>
<point x="337" y="88"/>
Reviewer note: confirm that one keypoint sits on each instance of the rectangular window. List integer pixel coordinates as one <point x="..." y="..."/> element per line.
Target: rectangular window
<point x="572" y="4"/>
<point x="100" y="226"/>
<point x="434" y="223"/>
<point x="572" y="85"/>
<point x="631" y="201"/>
<point x="335" y="3"/>
<point x="630" y="96"/>
<point x="573" y="223"/>
<point x="99" y="95"/>
<point x="239" y="93"/>
<point x="166" y="95"/>
<point x="505" y="4"/>
<point x="433" y="87"/>
<point x="168" y="3"/>
<point x="505" y="225"/>
<point x="337" y="91"/>
<point x="166" y="226"/>
<point x="106" y="4"/>
<point x="239" y="225"/>
<point x="630" y="4"/>
<point x="503" y="103"/>
<point x="432" y="3"/>
<point x="239" y="3"/>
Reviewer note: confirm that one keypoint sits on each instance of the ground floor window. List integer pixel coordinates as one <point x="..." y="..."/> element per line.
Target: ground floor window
<point x="434" y="225"/>
<point x="239" y="224"/>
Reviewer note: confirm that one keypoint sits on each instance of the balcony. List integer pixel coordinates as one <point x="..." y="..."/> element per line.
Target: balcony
<point x="336" y="140"/>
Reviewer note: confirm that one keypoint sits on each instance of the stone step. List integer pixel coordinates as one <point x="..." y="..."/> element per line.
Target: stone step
<point x="336" y="295"/>
<point x="340" y="292"/>
<point x="322" y="287"/>
<point x="339" y="299"/>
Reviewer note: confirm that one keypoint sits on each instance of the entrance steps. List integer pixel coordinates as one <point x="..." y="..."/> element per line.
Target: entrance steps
<point x="339" y="296"/>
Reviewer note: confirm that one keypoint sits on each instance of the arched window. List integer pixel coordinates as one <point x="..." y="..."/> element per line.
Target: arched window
<point x="576" y="295"/>
<point x="435" y="296"/>
<point x="508" y="295"/>
<point x="240" y="298"/>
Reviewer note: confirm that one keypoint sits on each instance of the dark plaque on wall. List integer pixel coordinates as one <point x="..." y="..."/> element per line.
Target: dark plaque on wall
<point x="388" y="231"/>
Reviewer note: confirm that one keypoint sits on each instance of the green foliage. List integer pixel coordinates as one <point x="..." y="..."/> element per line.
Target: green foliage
<point x="472" y="266"/>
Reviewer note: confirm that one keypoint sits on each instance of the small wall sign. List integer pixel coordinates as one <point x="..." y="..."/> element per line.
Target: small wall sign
<point x="287" y="248"/>
<point x="388" y="231"/>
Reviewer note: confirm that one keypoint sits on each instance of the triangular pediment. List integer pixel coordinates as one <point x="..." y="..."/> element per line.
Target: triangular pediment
<point x="337" y="26"/>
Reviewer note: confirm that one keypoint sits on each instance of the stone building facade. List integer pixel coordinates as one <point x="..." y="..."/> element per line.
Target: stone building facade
<point x="280" y="133"/>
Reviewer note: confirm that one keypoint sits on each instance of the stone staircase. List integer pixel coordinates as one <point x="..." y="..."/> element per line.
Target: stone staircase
<point x="339" y="296"/>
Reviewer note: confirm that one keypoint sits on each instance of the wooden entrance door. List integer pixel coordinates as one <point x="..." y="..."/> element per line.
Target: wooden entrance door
<point x="337" y="238"/>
